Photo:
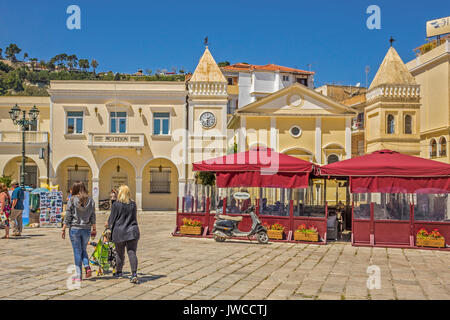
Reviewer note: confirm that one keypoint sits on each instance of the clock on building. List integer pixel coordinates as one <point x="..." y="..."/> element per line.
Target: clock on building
<point x="207" y="119"/>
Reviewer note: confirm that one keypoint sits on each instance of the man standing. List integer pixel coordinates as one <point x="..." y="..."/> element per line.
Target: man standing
<point x="16" y="209"/>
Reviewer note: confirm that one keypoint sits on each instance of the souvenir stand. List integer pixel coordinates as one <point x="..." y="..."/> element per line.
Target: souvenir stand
<point x="394" y="196"/>
<point x="280" y="186"/>
<point x="51" y="207"/>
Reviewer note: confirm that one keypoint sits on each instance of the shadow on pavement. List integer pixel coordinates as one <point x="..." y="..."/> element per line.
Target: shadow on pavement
<point x="126" y="275"/>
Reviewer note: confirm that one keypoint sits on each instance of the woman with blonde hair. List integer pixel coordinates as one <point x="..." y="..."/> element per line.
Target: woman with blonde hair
<point x="124" y="231"/>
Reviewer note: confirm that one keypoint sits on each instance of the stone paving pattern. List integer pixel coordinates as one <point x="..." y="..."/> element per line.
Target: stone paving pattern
<point x="34" y="267"/>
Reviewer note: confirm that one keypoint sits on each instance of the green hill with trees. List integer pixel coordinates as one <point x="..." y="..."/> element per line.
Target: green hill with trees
<point x="31" y="77"/>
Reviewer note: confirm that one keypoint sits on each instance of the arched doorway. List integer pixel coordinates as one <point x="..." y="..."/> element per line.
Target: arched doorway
<point x="114" y="173"/>
<point x="159" y="185"/>
<point x="32" y="173"/>
<point x="72" y="170"/>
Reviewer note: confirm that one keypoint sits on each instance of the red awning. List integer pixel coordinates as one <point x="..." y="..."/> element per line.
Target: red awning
<point x="261" y="167"/>
<point x="390" y="171"/>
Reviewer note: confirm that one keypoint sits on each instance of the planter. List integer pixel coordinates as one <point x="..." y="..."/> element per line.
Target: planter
<point x="302" y="236"/>
<point x="275" y="234"/>
<point x="191" y="230"/>
<point x="437" y="243"/>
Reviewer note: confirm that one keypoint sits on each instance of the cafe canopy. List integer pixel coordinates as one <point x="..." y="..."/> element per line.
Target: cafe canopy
<point x="258" y="167"/>
<point x="391" y="172"/>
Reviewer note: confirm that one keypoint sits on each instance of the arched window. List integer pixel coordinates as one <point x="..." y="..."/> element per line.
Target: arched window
<point x="443" y="144"/>
<point x="332" y="158"/>
<point x="408" y="124"/>
<point x="433" y="146"/>
<point x="390" y="124"/>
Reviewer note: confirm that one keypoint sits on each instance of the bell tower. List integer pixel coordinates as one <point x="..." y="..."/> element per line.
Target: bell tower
<point x="393" y="108"/>
<point x="207" y="111"/>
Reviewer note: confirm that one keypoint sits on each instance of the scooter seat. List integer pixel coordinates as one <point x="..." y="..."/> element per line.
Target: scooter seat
<point x="231" y="218"/>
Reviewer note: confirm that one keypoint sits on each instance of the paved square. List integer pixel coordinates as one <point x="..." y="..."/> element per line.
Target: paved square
<point x="34" y="266"/>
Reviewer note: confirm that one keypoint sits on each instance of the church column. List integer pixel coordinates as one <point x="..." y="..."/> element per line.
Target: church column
<point x="139" y="193"/>
<point x="318" y="144"/>
<point x="95" y="191"/>
<point x="348" y="138"/>
<point x="242" y="135"/>
<point x="273" y="133"/>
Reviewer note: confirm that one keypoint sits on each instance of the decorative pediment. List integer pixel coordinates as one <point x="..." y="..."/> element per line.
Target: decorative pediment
<point x="296" y="100"/>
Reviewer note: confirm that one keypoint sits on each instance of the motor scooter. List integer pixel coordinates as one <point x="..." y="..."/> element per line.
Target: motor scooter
<point x="226" y="227"/>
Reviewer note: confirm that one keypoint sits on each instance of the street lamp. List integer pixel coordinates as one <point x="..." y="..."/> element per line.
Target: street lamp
<point x="24" y="123"/>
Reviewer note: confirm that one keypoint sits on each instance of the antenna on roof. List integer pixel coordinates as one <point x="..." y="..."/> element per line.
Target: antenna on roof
<point x="367" y="75"/>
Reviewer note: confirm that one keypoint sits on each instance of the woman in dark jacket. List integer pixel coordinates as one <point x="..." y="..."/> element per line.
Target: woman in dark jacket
<point x="124" y="231"/>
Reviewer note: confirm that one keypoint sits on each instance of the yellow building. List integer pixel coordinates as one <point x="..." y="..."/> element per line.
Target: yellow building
<point x="296" y="121"/>
<point x="37" y="138"/>
<point x="392" y="111"/>
<point x="432" y="72"/>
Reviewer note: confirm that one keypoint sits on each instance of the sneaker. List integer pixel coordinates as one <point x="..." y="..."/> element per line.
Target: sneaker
<point x="134" y="279"/>
<point x="88" y="272"/>
<point x="117" y="275"/>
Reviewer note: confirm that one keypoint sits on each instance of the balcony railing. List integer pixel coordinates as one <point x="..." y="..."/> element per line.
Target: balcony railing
<point x="116" y="140"/>
<point x="31" y="137"/>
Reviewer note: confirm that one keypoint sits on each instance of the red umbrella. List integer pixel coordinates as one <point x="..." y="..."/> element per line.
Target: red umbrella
<point x="259" y="167"/>
<point x="391" y="171"/>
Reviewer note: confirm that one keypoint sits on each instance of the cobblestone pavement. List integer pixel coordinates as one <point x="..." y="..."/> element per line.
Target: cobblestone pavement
<point x="34" y="266"/>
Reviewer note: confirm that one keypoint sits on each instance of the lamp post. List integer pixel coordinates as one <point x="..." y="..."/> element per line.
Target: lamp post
<point x="24" y="123"/>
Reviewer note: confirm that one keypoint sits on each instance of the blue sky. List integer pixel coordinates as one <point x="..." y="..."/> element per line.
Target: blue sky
<point x="123" y="36"/>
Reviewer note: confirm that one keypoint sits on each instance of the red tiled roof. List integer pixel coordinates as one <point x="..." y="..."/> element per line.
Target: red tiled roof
<point x="267" y="67"/>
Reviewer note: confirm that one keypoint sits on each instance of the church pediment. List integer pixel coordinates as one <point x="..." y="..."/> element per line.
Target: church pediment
<point x="296" y="100"/>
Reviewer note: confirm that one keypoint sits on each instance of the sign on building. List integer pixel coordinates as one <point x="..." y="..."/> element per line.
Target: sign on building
<point x="438" y="27"/>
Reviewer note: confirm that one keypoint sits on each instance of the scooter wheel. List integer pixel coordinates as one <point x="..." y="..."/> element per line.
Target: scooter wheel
<point x="262" y="237"/>
<point x="219" y="238"/>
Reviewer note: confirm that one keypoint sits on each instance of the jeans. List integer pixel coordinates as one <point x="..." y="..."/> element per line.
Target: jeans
<point x="120" y="255"/>
<point x="80" y="239"/>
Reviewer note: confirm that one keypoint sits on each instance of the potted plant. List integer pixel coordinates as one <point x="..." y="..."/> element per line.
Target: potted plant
<point x="275" y="231"/>
<point x="303" y="233"/>
<point x="191" y="226"/>
<point x="430" y="239"/>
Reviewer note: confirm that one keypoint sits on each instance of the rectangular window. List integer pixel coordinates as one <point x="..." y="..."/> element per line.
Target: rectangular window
<point x="160" y="180"/>
<point x="230" y="81"/>
<point x="161" y="123"/>
<point x="302" y="81"/>
<point x="285" y="78"/>
<point x="74" y="122"/>
<point x="118" y="122"/>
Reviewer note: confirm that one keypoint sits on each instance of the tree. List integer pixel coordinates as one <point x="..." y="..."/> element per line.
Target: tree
<point x="223" y="64"/>
<point x="1" y="50"/>
<point x="25" y="56"/>
<point x="94" y="64"/>
<point x="84" y="64"/>
<point x="117" y="77"/>
<point x="72" y="61"/>
<point x="206" y="178"/>
<point x="148" y="71"/>
<point x="11" y="52"/>
<point x="181" y="71"/>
